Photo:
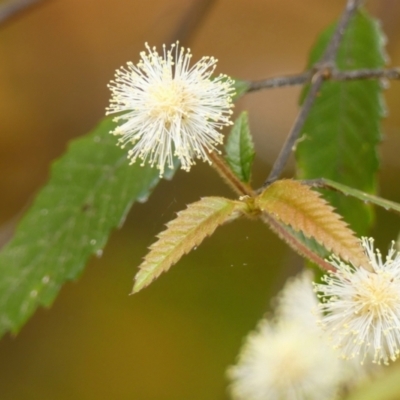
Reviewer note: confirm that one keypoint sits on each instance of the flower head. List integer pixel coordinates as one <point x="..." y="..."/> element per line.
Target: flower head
<point x="288" y="358"/>
<point x="170" y="108"/>
<point x="362" y="308"/>
<point x="298" y="303"/>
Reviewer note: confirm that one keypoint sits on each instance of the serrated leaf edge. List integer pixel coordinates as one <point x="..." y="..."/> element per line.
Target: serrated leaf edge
<point x="305" y="210"/>
<point x="186" y="231"/>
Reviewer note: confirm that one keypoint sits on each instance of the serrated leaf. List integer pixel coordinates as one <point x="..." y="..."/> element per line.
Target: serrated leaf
<point x="187" y="231"/>
<point x="90" y="191"/>
<point x="306" y="247"/>
<point x="358" y="194"/>
<point x="240" y="148"/>
<point x="342" y="131"/>
<point x="304" y="210"/>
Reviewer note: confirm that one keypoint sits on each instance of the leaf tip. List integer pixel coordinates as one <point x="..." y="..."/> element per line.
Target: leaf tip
<point x="140" y="282"/>
<point x="134" y="290"/>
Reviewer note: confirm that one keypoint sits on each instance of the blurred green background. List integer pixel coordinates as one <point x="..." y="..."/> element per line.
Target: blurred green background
<point x="175" y="339"/>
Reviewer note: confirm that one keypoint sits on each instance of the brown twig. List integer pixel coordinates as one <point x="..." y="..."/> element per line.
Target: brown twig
<point x="296" y="129"/>
<point x="331" y="50"/>
<point x="333" y="75"/>
<point x="390" y="73"/>
<point x="280" y="81"/>
<point x="322" y="68"/>
<point x="14" y="8"/>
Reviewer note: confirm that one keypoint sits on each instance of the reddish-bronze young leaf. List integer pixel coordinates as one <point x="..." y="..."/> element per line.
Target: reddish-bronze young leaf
<point x="304" y="210"/>
<point x="294" y="240"/>
<point x="184" y="233"/>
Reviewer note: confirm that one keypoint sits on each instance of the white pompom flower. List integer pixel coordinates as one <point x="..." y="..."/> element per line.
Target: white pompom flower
<point x="362" y="307"/>
<point x="298" y="303"/>
<point x="170" y="108"/>
<point x="288" y="357"/>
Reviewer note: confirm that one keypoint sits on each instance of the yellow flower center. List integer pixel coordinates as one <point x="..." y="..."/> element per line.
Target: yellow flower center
<point x="377" y="294"/>
<point x="168" y="100"/>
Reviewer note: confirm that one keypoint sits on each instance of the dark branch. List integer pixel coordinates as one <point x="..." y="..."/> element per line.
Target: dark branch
<point x="322" y="69"/>
<point x="391" y="73"/>
<point x="15" y="8"/>
<point x="305" y="77"/>
<point x="331" y="50"/>
<point x="296" y="129"/>
<point x="281" y="81"/>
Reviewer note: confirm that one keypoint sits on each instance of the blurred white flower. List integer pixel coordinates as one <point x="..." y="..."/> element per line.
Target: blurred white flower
<point x="362" y="308"/>
<point x="298" y="303"/>
<point x="288" y="358"/>
<point x="170" y="108"/>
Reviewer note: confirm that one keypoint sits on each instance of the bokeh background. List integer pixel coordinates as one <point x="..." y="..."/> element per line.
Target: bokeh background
<point x="174" y="340"/>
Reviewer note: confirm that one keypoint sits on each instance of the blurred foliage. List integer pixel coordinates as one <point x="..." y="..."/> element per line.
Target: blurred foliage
<point x="90" y="191"/>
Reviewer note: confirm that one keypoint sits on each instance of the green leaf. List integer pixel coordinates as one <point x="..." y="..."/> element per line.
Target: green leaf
<point x="184" y="233"/>
<point x="304" y="210"/>
<point x="341" y="134"/>
<point x="90" y="191"/>
<point x="240" y="148"/>
<point x="358" y="194"/>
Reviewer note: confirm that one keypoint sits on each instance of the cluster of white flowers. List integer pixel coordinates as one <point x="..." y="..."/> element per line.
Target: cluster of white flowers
<point x="313" y="350"/>
<point x="170" y="108"/>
